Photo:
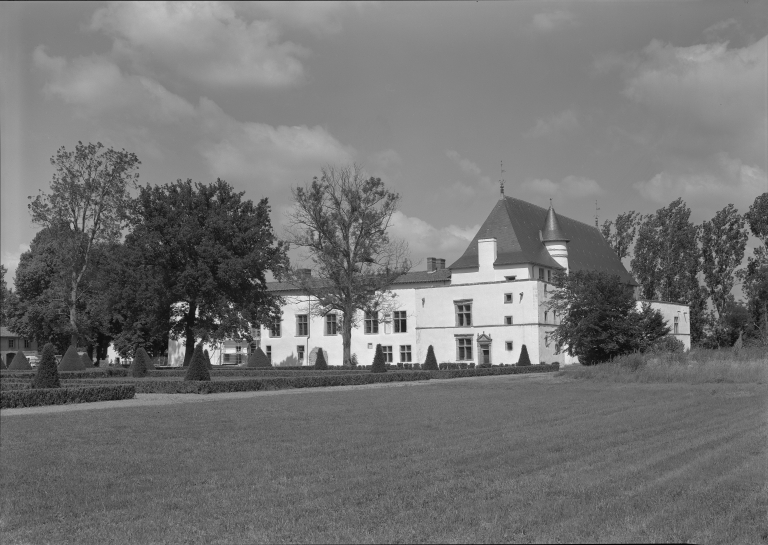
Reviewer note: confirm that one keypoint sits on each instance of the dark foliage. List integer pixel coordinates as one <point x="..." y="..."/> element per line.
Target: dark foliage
<point x="207" y="359"/>
<point x="430" y="364"/>
<point x="71" y="361"/>
<point x="258" y="359"/>
<point x="47" y="374"/>
<point x="378" y="365"/>
<point x="141" y="363"/>
<point x="21" y="363"/>
<point x="524" y="359"/>
<point x="320" y="362"/>
<point x="87" y="363"/>
<point x="62" y="396"/>
<point x="198" y="370"/>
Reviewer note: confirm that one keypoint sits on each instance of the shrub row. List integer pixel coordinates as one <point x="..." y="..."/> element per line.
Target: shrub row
<point x="96" y="372"/>
<point x="490" y="371"/>
<point x="61" y="396"/>
<point x="250" y="371"/>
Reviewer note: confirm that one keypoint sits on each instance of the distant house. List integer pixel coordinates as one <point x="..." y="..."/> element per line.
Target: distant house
<point x="10" y="344"/>
<point x="482" y="309"/>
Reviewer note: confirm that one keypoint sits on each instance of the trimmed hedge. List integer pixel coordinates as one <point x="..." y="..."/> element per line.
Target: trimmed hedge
<point x="524" y="360"/>
<point x="198" y="368"/>
<point x="96" y="372"/>
<point x="378" y="365"/>
<point x="71" y="361"/>
<point x="61" y="396"/>
<point x="87" y="363"/>
<point x="140" y="364"/>
<point x="19" y="362"/>
<point x="490" y="371"/>
<point x="320" y="363"/>
<point x="430" y="364"/>
<point x="258" y="360"/>
<point x="47" y="375"/>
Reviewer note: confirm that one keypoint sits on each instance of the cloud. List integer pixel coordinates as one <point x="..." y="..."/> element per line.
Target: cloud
<point x="716" y="32"/>
<point x="424" y="238"/>
<point x="386" y="159"/>
<point x="554" y="125"/>
<point x="479" y="182"/>
<point x="708" y="97"/>
<point x="571" y="187"/>
<point x="318" y="17"/>
<point x="725" y="180"/>
<point x="203" y="42"/>
<point x="547" y="21"/>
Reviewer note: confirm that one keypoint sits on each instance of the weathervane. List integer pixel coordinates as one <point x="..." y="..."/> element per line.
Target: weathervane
<point x="596" y="211"/>
<point x="501" y="182"/>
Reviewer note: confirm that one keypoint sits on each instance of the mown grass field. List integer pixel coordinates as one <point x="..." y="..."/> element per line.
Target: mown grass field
<point x="496" y="459"/>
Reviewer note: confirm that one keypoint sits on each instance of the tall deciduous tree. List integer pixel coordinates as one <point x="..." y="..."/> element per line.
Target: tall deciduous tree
<point x="4" y="295"/>
<point x="723" y="240"/>
<point x="342" y="219"/>
<point x="621" y="233"/>
<point x="755" y="275"/>
<point x="88" y="203"/>
<point x="208" y="251"/>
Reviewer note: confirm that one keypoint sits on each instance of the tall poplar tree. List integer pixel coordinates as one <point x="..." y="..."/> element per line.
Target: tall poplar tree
<point x="621" y="233"/>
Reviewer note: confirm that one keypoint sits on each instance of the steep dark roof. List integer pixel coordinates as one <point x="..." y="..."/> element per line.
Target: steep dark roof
<point x="515" y="225"/>
<point x="551" y="231"/>
<point x="440" y="276"/>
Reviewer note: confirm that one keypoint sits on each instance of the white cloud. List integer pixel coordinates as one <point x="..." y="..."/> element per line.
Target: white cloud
<point x="707" y="96"/>
<point x="424" y="238"/>
<point x="548" y="21"/>
<point x="571" y="186"/>
<point x="318" y="17"/>
<point x="478" y="181"/>
<point x="386" y="159"/>
<point x="554" y="124"/>
<point x="204" y="42"/>
<point x="718" y="30"/>
<point x="726" y="180"/>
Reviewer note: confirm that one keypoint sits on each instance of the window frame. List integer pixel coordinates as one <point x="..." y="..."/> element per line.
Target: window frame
<point x="509" y="346"/>
<point x="11" y="344"/>
<point x="400" y="321"/>
<point x="268" y="352"/>
<point x="509" y="298"/>
<point x="541" y="274"/>
<point x="406" y="354"/>
<point x="676" y="325"/>
<point x="27" y="343"/>
<point x="460" y="314"/>
<point x="276" y="325"/>
<point x="299" y="324"/>
<point x="508" y="320"/>
<point x="371" y="323"/>
<point x="386" y="351"/>
<point x="464" y="351"/>
<point x="331" y="322"/>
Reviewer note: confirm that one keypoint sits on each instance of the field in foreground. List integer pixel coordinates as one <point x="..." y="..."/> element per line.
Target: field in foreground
<point x="491" y="459"/>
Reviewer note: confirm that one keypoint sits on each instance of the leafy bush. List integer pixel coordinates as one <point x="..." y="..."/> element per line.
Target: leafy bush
<point x="198" y="369"/>
<point x="666" y="344"/>
<point x="378" y="361"/>
<point x="320" y="362"/>
<point x="207" y="359"/>
<point x="20" y="362"/>
<point x="61" y="396"/>
<point x="140" y="364"/>
<point x="258" y="359"/>
<point x="71" y="361"/>
<point x="87" y="363"/>
<point x="524" y="359"/>
<point x="430" y="364"/>
<point x="47" y="375"/>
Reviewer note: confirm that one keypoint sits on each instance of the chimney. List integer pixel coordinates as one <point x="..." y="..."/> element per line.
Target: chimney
<point x="486" y="254"/>
<point x="441" y="263"/>
<point x="431" y="264"/>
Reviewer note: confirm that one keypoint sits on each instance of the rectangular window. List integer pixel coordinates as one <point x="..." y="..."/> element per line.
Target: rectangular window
<point x="401" y="324"/>
<point x="508" y="298"/>
<point x="507" y="320"/>
<point x="463" y="348"/>
<point x="508" y="346"/>
<point x="541" y="273"/>
<point x="405" y="353"/>
<point x="546" y="315"/>
<point x="372" y="323"/>
<point x="274" y="328"/>
<point x="238" y="348"/>
<point x="387" y="351"/>
<point x="11" y="343"/>
<point x="26" y="343"/>
<point x="510" y="278"/>
<point x="331" y="325"/>
<point x="549" y="276"/>
<point x="463" y="314"/>
<point x="676" y="322"/>
<point x="302" y="325"/>
<point x="269" y="353"/>
<point x="300" y="354"/>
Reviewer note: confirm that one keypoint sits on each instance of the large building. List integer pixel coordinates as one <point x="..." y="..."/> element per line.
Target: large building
<point x="10" y="344"/>
<point x="481" y="309"/>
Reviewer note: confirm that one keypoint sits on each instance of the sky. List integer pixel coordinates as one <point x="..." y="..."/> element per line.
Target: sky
<point x="629" y="105"/>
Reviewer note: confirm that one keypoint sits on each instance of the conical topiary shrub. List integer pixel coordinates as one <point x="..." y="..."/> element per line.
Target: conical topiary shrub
<point x="258" y="358"/>
<point x="524" y="359"/>
<point x="378" y="361"/>
<point x="198" y="370"/>
<point x="20" y="362"/>
<point x="207" y="359"/>
<point x="47" y="375"/>
<point x="320" y="362"/>
<point x="140" y="365"/>
<point x="71" y="361"/>
<point x="86" y="360"/>
<point x="430" y="364"/>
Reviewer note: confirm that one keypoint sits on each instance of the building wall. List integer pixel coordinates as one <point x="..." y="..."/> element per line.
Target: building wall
<point x="10" y="344"/>
<point x="670" y="312"/>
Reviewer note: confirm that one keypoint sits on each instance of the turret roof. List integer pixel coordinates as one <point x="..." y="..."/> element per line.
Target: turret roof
<point x="516" y="224"/>
<point x="551" y="231"/>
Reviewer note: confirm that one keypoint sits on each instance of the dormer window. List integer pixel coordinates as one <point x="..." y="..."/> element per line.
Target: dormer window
<point x="510" y="278"/>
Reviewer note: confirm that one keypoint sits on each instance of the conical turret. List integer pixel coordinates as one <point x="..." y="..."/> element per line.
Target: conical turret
<point x="554" y="238"/>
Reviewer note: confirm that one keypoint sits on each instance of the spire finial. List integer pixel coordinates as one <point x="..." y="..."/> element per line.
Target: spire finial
<point x="596" y="211"/>
<point x="501" y="181"/>
<point x="550" y="202"/>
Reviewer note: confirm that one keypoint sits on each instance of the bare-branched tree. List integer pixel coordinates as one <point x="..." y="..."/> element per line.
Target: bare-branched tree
<point x="341" y="220"/>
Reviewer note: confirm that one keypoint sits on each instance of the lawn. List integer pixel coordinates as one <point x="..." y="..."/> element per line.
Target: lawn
<point x="492" y="459"/>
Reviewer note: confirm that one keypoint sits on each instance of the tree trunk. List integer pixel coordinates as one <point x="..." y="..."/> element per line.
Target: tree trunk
<point x="73" y="312"/>
<point x="189" y="334"/>
<point x="346" y="336"/>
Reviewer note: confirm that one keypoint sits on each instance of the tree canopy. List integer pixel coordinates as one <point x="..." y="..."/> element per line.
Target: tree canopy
<point x="621" y="233"/>
<point x="207" y="251"/>
<point x="723" y="240"/>
<point x="341" y="220"/>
